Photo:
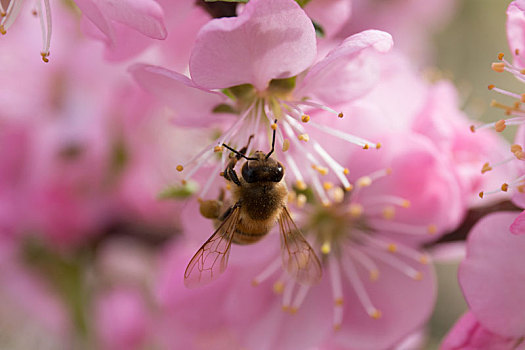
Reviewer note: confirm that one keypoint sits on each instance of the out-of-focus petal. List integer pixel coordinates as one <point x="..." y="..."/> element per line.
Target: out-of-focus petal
<point x="492" y="275"/>
<point x="329" y="14"/>
<point x="518" y="226"/>
<point x="271" y="39"/>
<point x="516" y="31"/>
<point x="348" y="71"/>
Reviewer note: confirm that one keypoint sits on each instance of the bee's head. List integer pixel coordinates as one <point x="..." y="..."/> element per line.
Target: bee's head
<point x="262" y="168"/>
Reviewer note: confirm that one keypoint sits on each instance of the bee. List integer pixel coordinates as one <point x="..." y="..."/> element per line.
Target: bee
<point x="259" y="201"/>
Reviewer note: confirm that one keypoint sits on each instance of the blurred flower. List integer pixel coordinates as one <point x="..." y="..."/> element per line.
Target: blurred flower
<point x="263" y="82"/>
<point x="489" y="278"/>
<point x="144" y="16"/>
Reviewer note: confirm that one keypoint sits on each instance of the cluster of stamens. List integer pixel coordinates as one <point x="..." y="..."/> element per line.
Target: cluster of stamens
<point x="345" y="237"/>
<point x="8" y="16"/>
<point x="516" y="115"/>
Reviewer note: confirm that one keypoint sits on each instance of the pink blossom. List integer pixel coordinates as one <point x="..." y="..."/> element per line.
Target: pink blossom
<point x="469" y="334"/>
<point x="145" y="16"/>
<point x="491" y="276"/>
<point x="279" y="66"/>
<point x="516" y="31"/>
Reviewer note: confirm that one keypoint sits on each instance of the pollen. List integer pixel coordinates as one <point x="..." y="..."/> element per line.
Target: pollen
<point x="355" y="210"/>
<point x="392" y="248"/>
<point x="337" y="327"/>
<point x="274" y="126"/>
<point x="301" y="200"/>
<point x="328" y="185"/>
<point x="374" y="275"/>
<point x="424" y="259"/>
<point x="521" y="189"/>
<point x="217" y="149"/>
<point x="500" y="56"/>
<point x="389" y="213"/>
<point x="498" y="67"/>
<point x="2" y="30"/>
<point x="300" y="185"/>
<point x="320" y="169"/>
<point x="418" y="276"/>
<point x="45" y="56"/>
<point x="326" y="248"/>
<point x="364" y="181"/>
<point x="346" y="171"/>
<point x="406" y="203"/>
<point x="180" y="168"/>
<point x="278" y="287"/>
<point x="349" y="188"/>
<point x="472" y="128"/>
<point x="338" y="302"/>
<point x="286" y="145"/>
<point x="480" y="194"/>
<point x="338" y="195"/>
<point x="432" y="229"/>
<point x="375" y="314"/>
<point x="491" y="86"/>
<point x="293" y="310"/>
<point x="500" y="125"/>
<point x="486" y="167"/>
<point x="366" y="146"/>
<point x="378" y="145"/>
<point x="340" y="115"/>
<point x="505" y="187"/>
<point x="303" y="137"/>
<point x="305" y="118"/>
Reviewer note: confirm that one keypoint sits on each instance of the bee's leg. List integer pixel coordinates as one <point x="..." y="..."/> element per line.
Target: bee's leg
<point x="210" y="209"/>
<point x="229" y="173"/>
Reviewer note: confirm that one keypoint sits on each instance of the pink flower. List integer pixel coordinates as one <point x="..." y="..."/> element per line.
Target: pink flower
<point x="469" y="334"/>
<point x="268" y="75"/>
<point x="145" y="16"/>
<point x="516" y="31"/>
<point x="492" y="275"/>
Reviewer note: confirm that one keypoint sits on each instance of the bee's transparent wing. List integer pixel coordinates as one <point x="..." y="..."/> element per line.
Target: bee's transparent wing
<point x="212" y="258"/>
<point x="299" y="258"/>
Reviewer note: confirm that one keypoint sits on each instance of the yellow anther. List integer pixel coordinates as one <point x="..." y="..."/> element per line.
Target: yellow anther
<point x="389" y="212"/>
<point x="486" y="167"/>
<point x="255" y="283"/>
<point x="388" y="171"/>
<point x="366" y="146"/>
<point x="522" y="71"/>
<point x="516" y="148"/>
<point x="522" y="98"/>
<point x="374" y="275"/>
<point x="286" y="145"/>
<point x="500" y="125"/>
<point x="346" y="171"/>
<point x="340" y="115"/>
<point x="278" y="287"/>
<point x="274" y="126"/>
<point x="2" y="30"/>
<point x="480" y="194"/>
<point x="303" y="137"/>
<point x="285" y="308"/>
<point x="326" y="248"/>
<point x="337" y="327"/>
<point x="300" y="185"/>
<point x="364" y="181"/>
<point x="491" y="86"/>
<point x="326" y="203"/>
<point x="505" y="187"/>
<point x="217" y="149"/>
<point x="432" y="229"/>
<point x="301" y="200"/>
<point x="184" y="182"/>
<point x="320" y="169"/>
<point x="378" y="145"/>
<point x="293" y="310"/>
<point x="498" y="67"/>
<point x="45" y="56"/>
<point x="349" y="187"/>
<point x="500" y="56"/>
<point x="355" y="210"/>
<point x="338" y="302"/>
<point x="228" y="187"/>
<point x="418" y="276"/>
<point x="3" y="14"/>
<point x="338" y="195"/>
<point x="424" y="259"/>
<point x="406" y="203"/>
<point x="392" y="247"/>
<point x="517" y="52"/>
<point x="180" y="168"/>
<point x="472" y="128"/>
<point x="375" y="314"/>
<point x="305" y="118"/>
<point x="327" y="185"/>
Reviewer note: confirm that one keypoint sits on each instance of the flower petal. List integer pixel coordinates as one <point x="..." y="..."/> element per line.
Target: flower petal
<point x="518" y="226"/>
<point x="516" y="31"/>
<point x="193" y="105"/>
<point x="492" y="275"/>
<point x="271" y="39"/>
<point x="348" y="71"/>
<point x="90" y="9"/>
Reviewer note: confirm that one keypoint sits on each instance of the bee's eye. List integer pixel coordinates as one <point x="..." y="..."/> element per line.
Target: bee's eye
<point x="278" y="173"/>
<point x="248" y="173"/>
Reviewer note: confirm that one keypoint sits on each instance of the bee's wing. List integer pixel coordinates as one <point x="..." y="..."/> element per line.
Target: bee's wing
<point x="212" y="258"/>
<point x="299" y="258"/>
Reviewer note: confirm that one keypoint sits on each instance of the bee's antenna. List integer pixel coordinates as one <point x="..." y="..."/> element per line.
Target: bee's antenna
<point x="238" y="153"/>
<point x="273" y="141"/>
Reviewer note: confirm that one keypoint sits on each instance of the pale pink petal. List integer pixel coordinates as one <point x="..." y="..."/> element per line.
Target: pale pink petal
<point x="348" y="71"/>
<point x="469" y="334"/>
<point x="92" y="11"/>
<point x="492" y="275"/>
<point x="516" y="31"/>
<point x="193" y="105"/>
<point x="518" y="226"/>
<point x="329" y="14"/>
<point x="271" y="39"/>
<point x="405" y="306"/>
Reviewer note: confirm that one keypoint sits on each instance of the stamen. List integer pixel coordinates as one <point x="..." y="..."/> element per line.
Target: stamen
<point x="267" y="272"/>
<point x="344" y="136"/>
<point x="364" y="260"/>
<point x="296" y="104"/>
<point x="301" y="185"/>
<point x="395" y="263"/>
<point x="211" y="179"/>
<point x="299" y="298"/>
<point x="398" y="227"/>
<point x="337" y="290"/>
<point x="46" y="29"/>
<point x="386" y="199"/>
<point x="357" y="284"/>
<point x="286" y="145"/>
<point x="326" y="247"/>
<point x="287" y="294"/>
<point x="338" y="169"/>
<point x="355" y="210"/>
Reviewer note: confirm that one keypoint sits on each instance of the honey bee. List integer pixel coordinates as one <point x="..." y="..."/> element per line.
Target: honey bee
<point x="259" y="201"/>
